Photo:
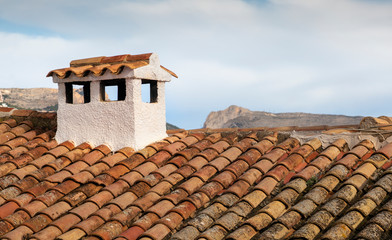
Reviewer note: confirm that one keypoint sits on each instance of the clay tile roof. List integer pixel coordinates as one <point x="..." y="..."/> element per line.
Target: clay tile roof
<point x="98" y="65"/>
<point x="212" y="184"/>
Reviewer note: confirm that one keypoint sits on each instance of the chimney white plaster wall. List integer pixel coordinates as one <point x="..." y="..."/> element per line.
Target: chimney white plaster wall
<point x="129" y="123"/>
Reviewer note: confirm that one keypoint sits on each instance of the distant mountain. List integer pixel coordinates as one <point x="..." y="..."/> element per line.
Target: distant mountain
<point x="29" y="98"/>
<point x="238" y="117"/>
<point x="40" y="99"/>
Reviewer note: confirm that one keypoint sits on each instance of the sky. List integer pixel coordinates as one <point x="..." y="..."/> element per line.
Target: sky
<point x="318" y="56"/>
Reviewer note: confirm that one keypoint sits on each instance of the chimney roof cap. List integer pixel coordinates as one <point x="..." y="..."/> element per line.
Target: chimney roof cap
<point x="115" y="64"/>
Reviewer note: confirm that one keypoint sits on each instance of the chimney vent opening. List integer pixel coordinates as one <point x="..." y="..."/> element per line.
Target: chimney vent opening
<point x="74" y="89"/>
<point x="149" y="91"/>
<point x="113" y="90"/>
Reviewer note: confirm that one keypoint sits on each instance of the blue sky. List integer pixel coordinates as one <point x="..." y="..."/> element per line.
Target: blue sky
<point x="319" y="56"/>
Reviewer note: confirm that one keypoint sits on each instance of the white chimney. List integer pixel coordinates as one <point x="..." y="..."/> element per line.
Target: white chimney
<point x="126" y="120"/>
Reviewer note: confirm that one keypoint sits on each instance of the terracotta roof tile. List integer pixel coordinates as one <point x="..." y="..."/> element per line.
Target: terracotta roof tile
<point x="196" y="184"/>
<point x="19" y="233"/>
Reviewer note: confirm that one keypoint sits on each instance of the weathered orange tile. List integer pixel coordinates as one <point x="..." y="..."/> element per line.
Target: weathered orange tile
<point x="211" y="189"/>
<point x="161" y="188"/>
<point x="38" y="151"/>
<point x="205" y="173"/>
<point x="77" y="153"/>
<point x="197" y="163"/>
<point x="250" y="156"/>
<point x="225" y="178"/>
<point x="219" y="146"/>
<point x="176" y="195"/>
<point x="267" y="185"/>
<point x="50" y="197"/>
<point x="109" y="230"/>
<point x="191" y="139"/>
<point x="366" y="169"/>
<point x="103" y="179"/>
<point x="146" y="168"/>
<point x="177" y="161"/>
<point x="5" y="137"/>
<point x="174" y="147"/>
<point x="65" y="222"/>
<point x="107" y="212"/>
<point x="263" y="146"/>
<point x="22" y="113"/>
<point x="132" y="233"/>
<point x="38" y="222"/>
<point x="198" y="199"/>
<point x="76" y="167"/>
<point x="198" y="147"/>
<point x="208" y="154"/>
<point x="263" y="166"/>
<point x="20" y="140"/>
<point x="49" y="232"/>
<point x="321" y="162"/>
<point x="23" y="199"/>
<point x="166" y="170"/>
<point x="74" y="198"/>
<point x="90" y="224"/>
<point x="56" y="210"/>
<point x="131" y="177"/>
<point x="40" y="188"/>
<point x="386" y="150"/>
<point x="219" y="163"/>
<point x="10" y="192"/>
<point x="251" y="176"/>
<point x="126" y="151"/>
<point x="147" y="152"/>
<point x="231" y="154"/>
<point x="20" y="232"/>
<point x="146" y="221"/>
<point x="308" y="172"/>
<point x="124" y="200"/>
<point x="58" y="177"/>
<point x="127" y="216"/>
<point x="185" y="209"/>
<point x="140" y="188"/>
<point x="245" y="232"/>
<point x="85" y="210"/>
<point x="160" y="144"/>
<point x="185" y="171"/>
<point x="239" y="188"/>
<point x="292" y="161"/>
<point x="160" y="158"/>
<point x="279" y="172"/>
<point x="146" y="201"/>
<point x="66" y="187"/>
<point x="174" y="178"/>
<point x="13" y="220"/>
<point x="275" y="154"/>
<point x="117" y="187"/>
<point x="191" y="185"/>
<point x="357" y="181"/>
<point x="42" y="173"/>
<point x="237" y="167"/>
<point x="158" y="231"/>
<point x="7" y="209"/>
<point x="161" y="208"/>
<point x="34" y="207"/>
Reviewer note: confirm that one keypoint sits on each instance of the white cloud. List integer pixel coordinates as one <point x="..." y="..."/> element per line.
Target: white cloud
<point x="281" y="55"/>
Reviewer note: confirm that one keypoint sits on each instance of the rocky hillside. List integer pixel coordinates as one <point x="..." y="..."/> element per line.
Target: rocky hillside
<point x="29" y="98"/>
<point x="235" y="116"/>
<point x="40" y="99"/>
